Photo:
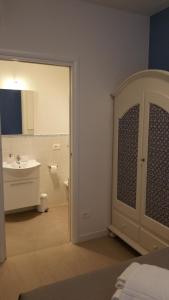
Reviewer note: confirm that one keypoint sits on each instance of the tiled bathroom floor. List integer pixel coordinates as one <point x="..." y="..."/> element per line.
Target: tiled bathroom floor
<point x="30" y="231"/>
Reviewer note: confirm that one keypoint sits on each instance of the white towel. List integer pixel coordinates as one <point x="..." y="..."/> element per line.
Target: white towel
<point x="147" y="283"/>
<point x="121" y="280"/>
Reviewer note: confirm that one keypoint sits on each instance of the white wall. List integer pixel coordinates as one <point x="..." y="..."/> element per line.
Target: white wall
<point x="108" y="45"/>
<point x="51" y="87"/>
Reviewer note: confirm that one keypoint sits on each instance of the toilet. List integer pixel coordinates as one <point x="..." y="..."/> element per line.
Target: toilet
<point x="66" y="184"/>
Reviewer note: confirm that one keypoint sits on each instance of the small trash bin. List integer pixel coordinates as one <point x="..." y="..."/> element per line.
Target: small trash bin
<point x="43" y="206"/>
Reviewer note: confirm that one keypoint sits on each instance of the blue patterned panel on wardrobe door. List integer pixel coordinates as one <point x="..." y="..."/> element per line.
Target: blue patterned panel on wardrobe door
<point x="127" y="156"/>
<point x="157" y="189"/>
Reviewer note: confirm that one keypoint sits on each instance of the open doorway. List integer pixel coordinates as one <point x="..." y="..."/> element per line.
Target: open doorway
<point x="36" y="154"/>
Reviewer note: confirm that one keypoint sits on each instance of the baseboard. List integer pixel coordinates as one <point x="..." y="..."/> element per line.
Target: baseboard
<point x="92" y="236"/>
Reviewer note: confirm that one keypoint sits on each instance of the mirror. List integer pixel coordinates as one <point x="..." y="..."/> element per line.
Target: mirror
<point x="44" y="91"/>
<point x="17" y="112"/>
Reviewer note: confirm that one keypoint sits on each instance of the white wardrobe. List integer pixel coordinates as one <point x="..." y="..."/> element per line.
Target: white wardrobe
<point x="140" y="208"/>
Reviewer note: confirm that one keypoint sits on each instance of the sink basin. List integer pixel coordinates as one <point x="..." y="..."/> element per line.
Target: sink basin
<point x="15" y="165"/>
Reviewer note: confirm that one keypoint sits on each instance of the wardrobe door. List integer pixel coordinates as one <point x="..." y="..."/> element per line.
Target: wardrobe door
<point x="155" y="173"/>
<point x="128" y="113"/>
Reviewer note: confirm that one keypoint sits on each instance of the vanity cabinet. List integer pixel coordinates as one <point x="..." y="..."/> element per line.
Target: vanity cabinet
<point x="21" y="188"/>
<point x="140" y="210"/>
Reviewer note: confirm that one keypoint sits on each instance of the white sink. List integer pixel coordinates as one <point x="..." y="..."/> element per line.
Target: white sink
<point x="15" y="165"/>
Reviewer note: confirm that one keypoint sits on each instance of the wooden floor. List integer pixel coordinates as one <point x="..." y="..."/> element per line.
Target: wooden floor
<point x="25" y="272"/>
<point x="31" y="231"/>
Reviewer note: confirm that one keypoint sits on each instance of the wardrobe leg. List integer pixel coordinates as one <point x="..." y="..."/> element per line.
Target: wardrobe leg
<point x="111" y="233"/>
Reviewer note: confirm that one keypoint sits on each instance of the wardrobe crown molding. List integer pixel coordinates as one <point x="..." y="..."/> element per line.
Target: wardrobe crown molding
<point x="159" y="74"/>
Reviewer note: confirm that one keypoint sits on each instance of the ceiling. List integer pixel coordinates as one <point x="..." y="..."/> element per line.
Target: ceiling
<point x="144" y="7"/>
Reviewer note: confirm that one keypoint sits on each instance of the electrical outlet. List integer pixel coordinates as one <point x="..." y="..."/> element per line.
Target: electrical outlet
<point x="56" y="147"/>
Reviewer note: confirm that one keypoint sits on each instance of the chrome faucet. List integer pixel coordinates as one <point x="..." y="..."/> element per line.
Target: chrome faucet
<point x="18" y="158"/>
<point x="10" y="155"/>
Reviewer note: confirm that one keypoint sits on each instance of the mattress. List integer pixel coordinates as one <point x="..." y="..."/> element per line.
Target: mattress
<point x="98" y="285"/>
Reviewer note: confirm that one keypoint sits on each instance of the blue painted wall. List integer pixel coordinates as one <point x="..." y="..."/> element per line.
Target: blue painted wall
<point x="159" y="41"/>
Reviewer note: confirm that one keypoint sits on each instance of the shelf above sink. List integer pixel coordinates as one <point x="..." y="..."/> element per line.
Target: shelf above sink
<point x="20" y="165"/>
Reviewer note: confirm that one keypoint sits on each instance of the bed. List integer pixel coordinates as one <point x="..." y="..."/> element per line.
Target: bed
<point x="98" y="285"/>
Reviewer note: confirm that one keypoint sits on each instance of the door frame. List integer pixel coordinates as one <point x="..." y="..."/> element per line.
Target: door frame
<point x="74" y="140"/>
<point x="2" y="214"/>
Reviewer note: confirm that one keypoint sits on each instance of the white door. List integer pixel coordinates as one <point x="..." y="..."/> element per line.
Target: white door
<point x="155" y="173"/>
<point x="2" y="215"/>
<point x="127" y="149"/>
